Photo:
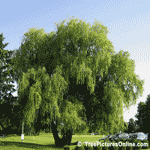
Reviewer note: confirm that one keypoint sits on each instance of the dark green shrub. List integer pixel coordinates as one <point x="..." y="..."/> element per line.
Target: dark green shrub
<point x="116" y="148"/>
<point x="85" y="147"/>
<point x="82" y="133"/>
<point x="129" y="140"/>
<point x="131" y="147"/>
<point x="94" y="147"/>
<point x="133" y="140"/>
<point x="36" y="134"/>
<point x="128" y="147"/>
<point x="107" y="141"/>
<point x="47" y="130"/>
<point x="105" y="148"/>
<point x="99" y="147"/>
<point x="119" y="147"/>
<point x="123" y="140"/>
<point x="111" y="147"/>
<point x="66" y="147"/>
<point x="11" y="135"/>
<point x="79" y="147"/>
<point x="123" y="147"/>
<point x="145" y="147"/>
<point x="90" y="147"/>
<point x="117" y="140"/>
<point x="136" y="141"/>
<point x="69" y="147"/>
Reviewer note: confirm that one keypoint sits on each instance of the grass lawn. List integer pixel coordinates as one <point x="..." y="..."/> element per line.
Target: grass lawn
<point x="41" y="142"/>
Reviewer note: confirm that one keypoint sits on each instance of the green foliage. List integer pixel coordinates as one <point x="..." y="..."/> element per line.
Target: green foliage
<point x="6" y="72"/>
<point x="90" y="147"/>
<point x="11" y="135"/>
<point x="82" y="133"/>
<point x="126" y="127"/>
<point x="51" y="68"/>
<point x="7" y="100"/>
<point x="143" y="115"/>
<point x="79" y="147"/>
<point x="132" y="126"/>
<point x="99" y="147"/>
<point x="145" y="147"/>
<point x="69" y="147"/>
<point x="105" y="148"/>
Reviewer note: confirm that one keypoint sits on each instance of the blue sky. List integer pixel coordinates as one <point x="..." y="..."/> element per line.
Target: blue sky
<point x="128" y="22"/>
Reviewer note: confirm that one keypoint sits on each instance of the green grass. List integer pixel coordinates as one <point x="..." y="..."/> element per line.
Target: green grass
<point x="41" y="142"/>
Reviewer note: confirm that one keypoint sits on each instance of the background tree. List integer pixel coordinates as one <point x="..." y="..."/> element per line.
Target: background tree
<point x="126" y="127"/>
<point x="7" y="100"/>
<point x="147" y="116"/>
<point x="143" y="116"/>
<point x="132" y="126"/>
<point x="74" y="75"/>
<point x="147" y="112"/>
<point x="5" y="72"/>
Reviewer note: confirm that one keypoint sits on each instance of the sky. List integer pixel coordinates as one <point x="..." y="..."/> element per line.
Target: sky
<point x="128" y="22"/>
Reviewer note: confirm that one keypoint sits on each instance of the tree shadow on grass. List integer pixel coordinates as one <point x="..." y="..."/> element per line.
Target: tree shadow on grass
<point x="28" y="145"/>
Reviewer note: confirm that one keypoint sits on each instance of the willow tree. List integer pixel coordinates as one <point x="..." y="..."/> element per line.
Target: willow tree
<point x="121" y="87"/>
<point x="74" y="77"/>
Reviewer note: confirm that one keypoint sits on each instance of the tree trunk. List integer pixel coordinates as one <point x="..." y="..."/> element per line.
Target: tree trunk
<point x="68" y="137"/>
<point x="65" y="140"/>
<point x="30" y="130"/>
<point x="55" y="135"/>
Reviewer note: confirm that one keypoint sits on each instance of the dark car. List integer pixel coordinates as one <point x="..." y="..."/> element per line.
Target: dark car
<point x="111" y="138"/>
<point x="114" y="137"/>
<point x="2" y="135"/>
<point x="106" y="137"/>
<point x="122" y="136"/>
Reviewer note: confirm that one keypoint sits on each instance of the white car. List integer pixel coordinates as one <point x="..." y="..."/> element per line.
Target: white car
<point x="138" y="135"/>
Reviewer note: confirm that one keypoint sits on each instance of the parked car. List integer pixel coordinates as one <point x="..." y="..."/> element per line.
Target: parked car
<point x="106" y="137"/>
<point x="2" y="135"/>
<point x="94" y="133"/>
<point x="111" y="138"/>
<point x="138" y="135"/>
<point x="122" y="136"/>
<point x="130" y="134"/>
<point x="142" y="136"/>
<point x="114" y="137"/>
<point x="140" y="132"/>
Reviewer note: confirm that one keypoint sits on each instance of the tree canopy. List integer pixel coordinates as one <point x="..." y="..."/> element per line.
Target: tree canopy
<point x="75" y="76"/>
<point x="5" y="71"/>
<point x="6" y="87"/>
<point x="132" y="126"/>
<point x="143" y="115"/>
